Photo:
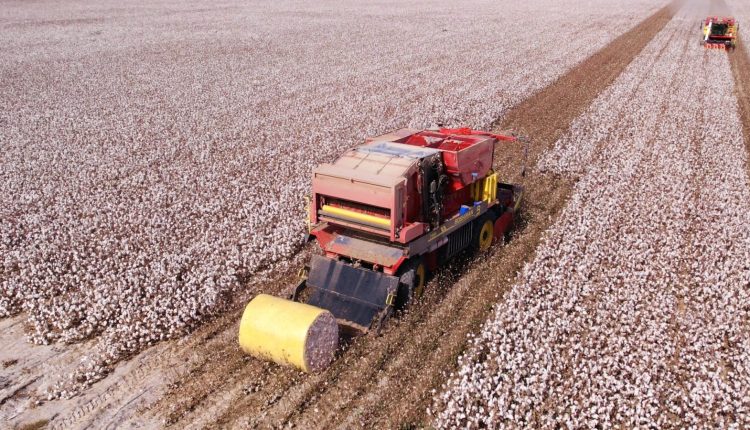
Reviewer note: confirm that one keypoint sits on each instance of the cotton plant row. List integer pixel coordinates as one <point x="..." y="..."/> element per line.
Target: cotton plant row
<point x="634" y="311"/>
<point x="151" y="164"/>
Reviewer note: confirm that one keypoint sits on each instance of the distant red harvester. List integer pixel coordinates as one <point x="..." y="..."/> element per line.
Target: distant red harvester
<point x="720" y="32"/>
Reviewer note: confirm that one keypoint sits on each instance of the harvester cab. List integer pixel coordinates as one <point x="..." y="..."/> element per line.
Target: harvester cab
<point x="720" y="33"/>
<point x="385" y="214"/>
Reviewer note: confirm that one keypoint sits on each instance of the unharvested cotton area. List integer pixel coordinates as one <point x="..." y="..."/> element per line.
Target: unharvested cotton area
<point x="634" y="311"/>
<point x="155" y="157"/>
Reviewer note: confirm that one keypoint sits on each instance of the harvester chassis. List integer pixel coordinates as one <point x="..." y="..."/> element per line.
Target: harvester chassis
<point x="454" y="236"/>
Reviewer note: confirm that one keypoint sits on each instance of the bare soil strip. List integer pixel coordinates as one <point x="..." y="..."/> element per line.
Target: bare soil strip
<point x="740" y="62"/>
<point x="387" y="381"/>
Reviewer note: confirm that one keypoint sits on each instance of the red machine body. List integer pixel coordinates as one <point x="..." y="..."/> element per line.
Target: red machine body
<point x="400" y="195"/>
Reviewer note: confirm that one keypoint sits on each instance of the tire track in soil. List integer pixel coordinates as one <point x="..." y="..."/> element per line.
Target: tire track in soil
<point x="387" y="381"/>
<point x="135" y="385"/>
<point x="739" y="60"/>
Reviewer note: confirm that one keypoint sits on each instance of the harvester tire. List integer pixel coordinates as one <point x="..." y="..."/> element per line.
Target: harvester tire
<point x="484" y="233"/>
<point x="414" y="278"/>
<point x="420" y="279"/>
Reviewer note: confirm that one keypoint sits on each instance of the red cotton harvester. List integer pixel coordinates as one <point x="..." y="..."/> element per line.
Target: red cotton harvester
<point x="385" y="214"/>
<point x="720" y="33"/>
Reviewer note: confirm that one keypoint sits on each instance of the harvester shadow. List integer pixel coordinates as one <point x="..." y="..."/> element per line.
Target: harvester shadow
<point x="436" y="290"/>
<point x="441" y="281"/>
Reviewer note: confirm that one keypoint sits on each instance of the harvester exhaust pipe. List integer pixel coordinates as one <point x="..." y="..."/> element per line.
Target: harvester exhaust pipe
<point x="526" y="141"/>
<point x="289" y="333"/>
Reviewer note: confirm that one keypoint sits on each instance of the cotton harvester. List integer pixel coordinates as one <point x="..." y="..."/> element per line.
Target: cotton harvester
<point x="720" y="33"/>
<point x="385" y="215"/>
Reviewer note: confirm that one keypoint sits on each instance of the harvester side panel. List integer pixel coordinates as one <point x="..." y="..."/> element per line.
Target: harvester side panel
<point x="458" y="241"/>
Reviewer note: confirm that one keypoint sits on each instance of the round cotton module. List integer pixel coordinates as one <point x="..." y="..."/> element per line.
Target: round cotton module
<point x="289" y="333"/>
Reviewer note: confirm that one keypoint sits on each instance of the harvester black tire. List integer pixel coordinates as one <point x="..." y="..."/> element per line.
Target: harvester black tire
<point x="415" y="273"/>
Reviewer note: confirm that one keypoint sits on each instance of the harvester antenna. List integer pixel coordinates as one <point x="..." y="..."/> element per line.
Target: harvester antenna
<point x="526" y="141"/>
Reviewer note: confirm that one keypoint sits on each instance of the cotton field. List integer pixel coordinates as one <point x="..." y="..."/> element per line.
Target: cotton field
<point x="155" y="159"/>
<point x="143" y="183"/>
<point x="634" y="311"/>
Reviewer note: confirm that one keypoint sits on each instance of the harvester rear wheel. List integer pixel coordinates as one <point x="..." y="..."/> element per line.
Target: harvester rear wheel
<point x="414" y="277"/>
<point x="485" y="234"/>
<point x="420" y="279"/>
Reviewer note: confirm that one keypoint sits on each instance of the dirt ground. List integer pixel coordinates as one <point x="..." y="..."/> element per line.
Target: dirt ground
<point x="740" y="62"/>
<point x="387" y="381"/>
